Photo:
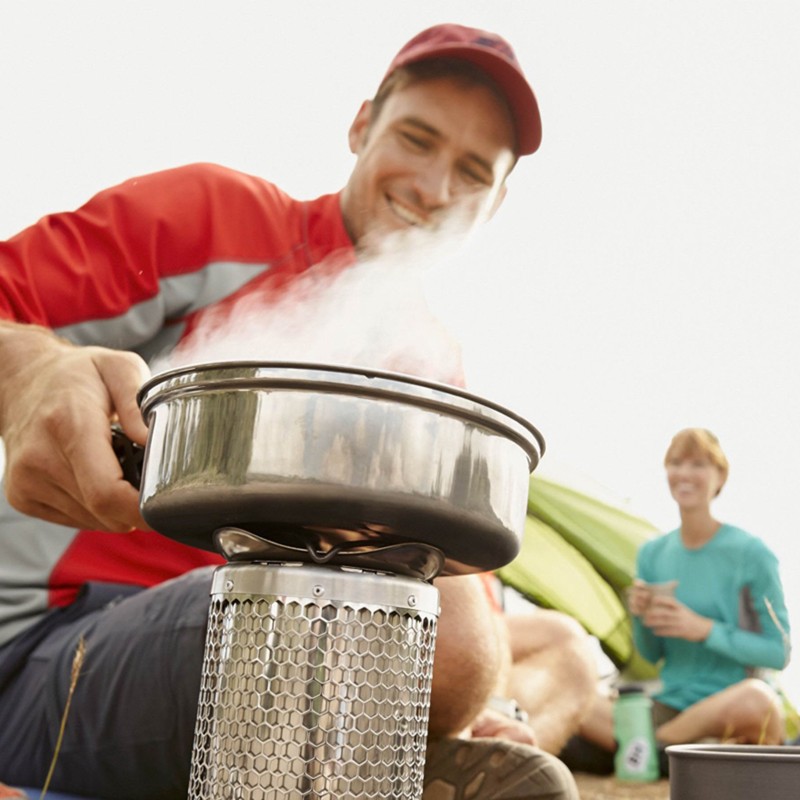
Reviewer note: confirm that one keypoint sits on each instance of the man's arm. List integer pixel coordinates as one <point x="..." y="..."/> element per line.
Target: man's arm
<point x="95" y="265"/>
<point x="57" y="400"/>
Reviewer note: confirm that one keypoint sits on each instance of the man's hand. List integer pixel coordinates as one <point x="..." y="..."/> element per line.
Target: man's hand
<point x="56" y="405"/>
<point x="7" y="791"/>
<point x="666" y="616"/>
<point x="494" y="725"/>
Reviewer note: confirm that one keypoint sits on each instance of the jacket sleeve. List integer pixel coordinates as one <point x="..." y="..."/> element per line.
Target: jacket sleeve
<point x="111" y="254"/>
<point x="769" y="644"/>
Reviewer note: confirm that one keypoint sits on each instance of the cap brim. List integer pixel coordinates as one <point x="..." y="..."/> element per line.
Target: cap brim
<point x="521" y="99"/>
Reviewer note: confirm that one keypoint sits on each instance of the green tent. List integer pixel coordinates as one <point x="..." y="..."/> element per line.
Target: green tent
<point x="578" y="555"/>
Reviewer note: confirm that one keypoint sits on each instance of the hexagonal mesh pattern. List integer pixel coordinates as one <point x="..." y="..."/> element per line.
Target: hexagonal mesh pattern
<point x="306" y="697"/>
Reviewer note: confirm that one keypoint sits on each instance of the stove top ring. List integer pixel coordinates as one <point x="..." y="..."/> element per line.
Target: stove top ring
<point x="410" y="559"/>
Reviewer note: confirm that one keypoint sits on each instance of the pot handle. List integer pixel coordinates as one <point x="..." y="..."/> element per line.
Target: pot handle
<point x="129" y="454"/>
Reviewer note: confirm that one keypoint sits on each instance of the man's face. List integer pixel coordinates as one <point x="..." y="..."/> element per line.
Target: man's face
<point x="435" y="159"/>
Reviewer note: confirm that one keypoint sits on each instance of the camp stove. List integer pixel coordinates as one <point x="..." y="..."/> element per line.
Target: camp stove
<point x="317" y="672"/>
<point x="336" y="496"/>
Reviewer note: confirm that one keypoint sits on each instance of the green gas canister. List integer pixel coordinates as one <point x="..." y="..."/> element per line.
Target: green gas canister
<point x="636" y="758"/>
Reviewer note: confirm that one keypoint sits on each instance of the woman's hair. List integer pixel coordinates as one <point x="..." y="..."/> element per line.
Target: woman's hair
<point x="698" y="442"/>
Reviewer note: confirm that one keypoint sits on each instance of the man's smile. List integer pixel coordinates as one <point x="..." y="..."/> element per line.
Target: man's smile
<point x="408" y="214"/>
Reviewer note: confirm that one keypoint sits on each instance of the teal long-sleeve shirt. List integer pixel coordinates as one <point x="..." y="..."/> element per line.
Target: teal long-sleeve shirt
<point x="732" y="580"/>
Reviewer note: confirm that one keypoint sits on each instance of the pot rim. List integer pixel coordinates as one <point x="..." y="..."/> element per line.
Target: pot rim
<point x="737" y="752"/>
<point x="341" y="379"/>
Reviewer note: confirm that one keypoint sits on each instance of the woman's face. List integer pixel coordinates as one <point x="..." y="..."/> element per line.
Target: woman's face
<point x="693" y="480"/>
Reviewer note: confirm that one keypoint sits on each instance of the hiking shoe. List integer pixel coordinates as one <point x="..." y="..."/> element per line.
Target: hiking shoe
<point x="494" y="769"/>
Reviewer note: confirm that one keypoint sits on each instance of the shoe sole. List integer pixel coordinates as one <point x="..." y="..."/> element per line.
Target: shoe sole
<point x="494" y="769"/>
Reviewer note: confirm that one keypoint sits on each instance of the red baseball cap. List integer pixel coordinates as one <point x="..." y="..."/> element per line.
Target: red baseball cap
<point x="494" y="56"/>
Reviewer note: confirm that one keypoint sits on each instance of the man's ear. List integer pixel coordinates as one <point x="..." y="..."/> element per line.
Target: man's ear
<point x="357" y="134"/>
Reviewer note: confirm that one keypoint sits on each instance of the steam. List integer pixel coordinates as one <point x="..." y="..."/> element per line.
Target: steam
<point x="372" y="314"/>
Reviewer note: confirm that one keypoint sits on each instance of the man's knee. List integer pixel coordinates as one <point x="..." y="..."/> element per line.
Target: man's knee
<point x="471" y="655"/>
<point x="543" y="629"/>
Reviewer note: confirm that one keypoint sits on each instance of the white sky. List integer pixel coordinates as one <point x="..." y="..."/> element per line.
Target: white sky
<point x="640" y="277"/>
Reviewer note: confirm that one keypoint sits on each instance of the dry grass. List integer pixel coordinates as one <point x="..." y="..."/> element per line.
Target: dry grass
<point x="77" y="664"/>
<point x="607" y="787"/>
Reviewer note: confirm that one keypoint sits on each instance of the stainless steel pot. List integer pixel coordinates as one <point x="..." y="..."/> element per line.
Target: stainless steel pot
<point x="315" y="456"/>
<point x="733" y="772"/>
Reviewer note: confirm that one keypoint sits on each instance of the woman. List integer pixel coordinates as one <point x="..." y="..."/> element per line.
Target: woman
<point x="708" y="605"/>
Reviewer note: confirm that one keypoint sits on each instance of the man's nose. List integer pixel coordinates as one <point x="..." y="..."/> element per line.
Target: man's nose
<point x="434" y="184"/>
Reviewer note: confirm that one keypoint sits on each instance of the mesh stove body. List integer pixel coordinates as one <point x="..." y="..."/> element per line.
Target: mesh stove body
<point x="316" y="682"/>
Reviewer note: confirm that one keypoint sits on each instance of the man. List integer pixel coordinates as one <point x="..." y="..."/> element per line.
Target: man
<point x="136" y="270"/>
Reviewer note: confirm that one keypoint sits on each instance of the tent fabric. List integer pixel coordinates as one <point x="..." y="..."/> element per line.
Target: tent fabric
<point x="609" y="537"/>
<point x="554" y="574"/>
<point x="578" y="555"/>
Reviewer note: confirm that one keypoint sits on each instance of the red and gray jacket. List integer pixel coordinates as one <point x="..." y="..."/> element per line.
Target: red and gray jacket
<point x="132" y="269"/>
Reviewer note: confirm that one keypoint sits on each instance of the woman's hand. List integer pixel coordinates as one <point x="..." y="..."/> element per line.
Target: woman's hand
<point x="639" y="597"/>
<point x="56" y="405"/>
<point x="666" y="616"/>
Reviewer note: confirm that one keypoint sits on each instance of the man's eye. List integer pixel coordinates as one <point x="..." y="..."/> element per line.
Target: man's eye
<point x="417" y="142"/>
<point x="474" y="177"/>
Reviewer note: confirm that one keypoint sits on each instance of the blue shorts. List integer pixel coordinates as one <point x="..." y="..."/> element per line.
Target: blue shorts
<point x="130" y="727"/>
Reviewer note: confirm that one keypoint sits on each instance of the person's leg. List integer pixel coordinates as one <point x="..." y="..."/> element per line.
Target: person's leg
<point x="471" y="664"/>
<point x="749" y="712"/>
<point x="553" y="674"/>
<point x="471" y="652"/>
<point x="598" y="725"/>
<point x="594" y="747"/>
<point x="131" y="721"/>
<point x="130" y="729"/>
